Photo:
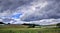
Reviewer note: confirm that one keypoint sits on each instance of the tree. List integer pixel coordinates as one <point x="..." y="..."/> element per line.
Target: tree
<point x="58" y="25"/>
<point x="8" y="23"/>
<point x="1" y="23"/>
<point x="30" y="25"/>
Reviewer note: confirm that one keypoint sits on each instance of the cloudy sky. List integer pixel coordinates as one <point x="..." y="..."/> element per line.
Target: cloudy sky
<point x="42" y="12"/>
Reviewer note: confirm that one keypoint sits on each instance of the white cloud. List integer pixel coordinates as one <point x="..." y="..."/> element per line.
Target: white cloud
<point x="1" y="20"/>
<point x="40" y="22"/>
<point x="46" y="21"/>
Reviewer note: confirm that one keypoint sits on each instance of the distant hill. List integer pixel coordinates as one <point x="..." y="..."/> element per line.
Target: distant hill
<point x="2" y="23"/>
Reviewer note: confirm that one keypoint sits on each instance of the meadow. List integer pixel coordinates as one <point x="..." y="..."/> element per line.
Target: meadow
<point x="24" y="29"/>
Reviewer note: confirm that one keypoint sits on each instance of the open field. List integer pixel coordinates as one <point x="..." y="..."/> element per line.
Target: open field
<point x="24" y="29"/>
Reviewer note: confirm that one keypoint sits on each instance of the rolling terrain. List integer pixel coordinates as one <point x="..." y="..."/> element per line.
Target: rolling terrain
<point x="24" y="29"/>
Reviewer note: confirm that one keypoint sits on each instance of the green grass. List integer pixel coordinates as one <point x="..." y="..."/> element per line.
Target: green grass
<point x="30" y="30"/>
<point x="23" y="29"/>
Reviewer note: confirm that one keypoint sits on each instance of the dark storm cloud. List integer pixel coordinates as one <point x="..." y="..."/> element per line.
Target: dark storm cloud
<point x="51" y="10"/>
<point x="12" y="4"/>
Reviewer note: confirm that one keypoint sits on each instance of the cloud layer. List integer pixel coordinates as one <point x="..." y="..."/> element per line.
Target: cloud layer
<point x="43" y="10"/>
<point x="31" y="10"/>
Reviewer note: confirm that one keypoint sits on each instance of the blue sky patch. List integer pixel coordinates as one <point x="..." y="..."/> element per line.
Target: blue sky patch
<point x="16" y="16"/>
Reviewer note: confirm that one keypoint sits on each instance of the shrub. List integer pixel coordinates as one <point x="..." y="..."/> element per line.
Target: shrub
<point x="58" y="25"/>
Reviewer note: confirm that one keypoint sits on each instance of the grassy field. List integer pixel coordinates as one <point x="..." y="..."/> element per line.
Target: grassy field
<point x="24" y="29"/>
